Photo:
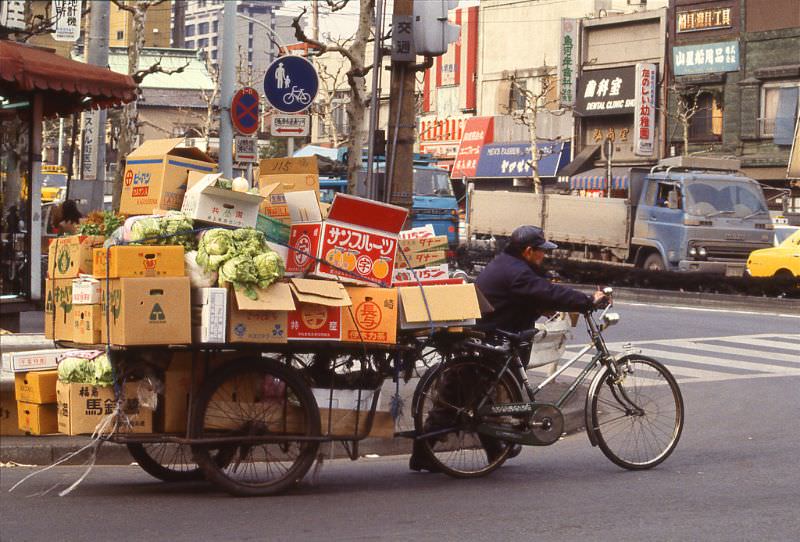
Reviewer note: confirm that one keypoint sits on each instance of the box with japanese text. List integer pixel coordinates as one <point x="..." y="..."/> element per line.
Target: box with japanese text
<point x="318" y="315"/>
<point x="85" y="291"/>
<point x="68" y="257"/>
<point x="148" y="311"/>
<point x="139" y="261"/>
<point x="372" y="318"/>
<point x="156" y="175"/>
<point x="206" y="202"/>
<point x="37" y="419"/>
<point x="356" y="242"/>
<point x="58" y="309"/>
<point x="438" y="306"/>
<point x="87" y="324"/>
<point x="36" y="386"/>
<point x="260" y="320"/>
<point x="82" y="407"/>
<point x="37" y="360"/>
<point x="437" y="274"/>
<point x="209" y="314"/>
<point x="277" y="176"/>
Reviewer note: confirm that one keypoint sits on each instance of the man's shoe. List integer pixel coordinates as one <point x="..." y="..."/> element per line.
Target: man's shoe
<point x="420" y="460"/>
<point x="515" y="451"/>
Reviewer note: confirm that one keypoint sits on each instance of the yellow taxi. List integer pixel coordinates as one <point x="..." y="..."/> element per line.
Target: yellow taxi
<point x="782" y="261"/>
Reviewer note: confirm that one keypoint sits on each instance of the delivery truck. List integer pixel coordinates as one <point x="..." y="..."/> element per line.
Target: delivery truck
<point x="684" y="214"/>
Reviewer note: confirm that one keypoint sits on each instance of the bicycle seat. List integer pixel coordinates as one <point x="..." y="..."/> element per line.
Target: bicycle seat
<point x="524" y="336"/>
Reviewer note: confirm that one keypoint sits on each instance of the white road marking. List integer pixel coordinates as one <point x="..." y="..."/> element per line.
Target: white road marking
<point x="706" y="309"/>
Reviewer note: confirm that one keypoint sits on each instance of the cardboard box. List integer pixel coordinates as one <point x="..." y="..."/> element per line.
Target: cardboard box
<point x="278" y="176"/>
<point x="372" y="318"/>
<point x="205" y="202"/>
<point x="449" y="305"/>
<point x="421" y="259"/>
<point x="149" y="311"/>
<point x="318" y="315"/>
<point x="423" y="244"/>
<point x="357" y="242"/>
<point x="58" y="309"/>
<point x="81" y="407"/>
<point x="156" y="175"/>
<point x="68" y="257"/>
<point x="87" y="324"/>
<point x="262" y="320"/>
<point x="274" y="230"/>
<point x="37" y="419"/>
<point x="436" y="274"/>
<point x="86" y="291"/>
<point x="9" y="418"/>
<point x="344" y="412"/>
<point x="37" y="360"/>
<point x="209" y="314"/>
<point x="139" y="261"/>
<point x="418" y="232"/>
<point x="36" y="386"/>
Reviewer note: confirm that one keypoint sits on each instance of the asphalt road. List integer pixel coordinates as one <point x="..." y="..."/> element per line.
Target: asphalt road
<point x="734" y="475"/>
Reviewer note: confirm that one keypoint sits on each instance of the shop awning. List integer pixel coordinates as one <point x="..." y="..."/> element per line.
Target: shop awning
<point x="581" y="161"/>
<point x="509" y="160"/>
<point x="595" y="179"/>
<point x="25" y="69"/>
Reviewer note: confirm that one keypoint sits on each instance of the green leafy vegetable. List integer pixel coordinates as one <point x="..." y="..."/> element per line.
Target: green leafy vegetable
<point x="95" y="371"/>
<point x="174" y="228"/>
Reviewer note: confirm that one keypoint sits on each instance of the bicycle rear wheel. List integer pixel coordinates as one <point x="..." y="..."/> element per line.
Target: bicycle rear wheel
<point x="445" y="403"/>
<point x="637" y="421"/>
<point x="272" y="409"/>
<point x="166" y="461"/>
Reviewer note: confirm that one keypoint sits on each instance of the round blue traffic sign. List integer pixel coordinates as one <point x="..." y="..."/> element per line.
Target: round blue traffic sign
<point x="244" y="111"/>
<point x="291" y="84"/>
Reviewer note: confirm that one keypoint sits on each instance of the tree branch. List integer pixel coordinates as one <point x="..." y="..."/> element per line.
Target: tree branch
<point x="156" y="68"/>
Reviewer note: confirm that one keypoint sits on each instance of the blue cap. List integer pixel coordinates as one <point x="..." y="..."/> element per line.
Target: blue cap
<point x="530" y="236"/>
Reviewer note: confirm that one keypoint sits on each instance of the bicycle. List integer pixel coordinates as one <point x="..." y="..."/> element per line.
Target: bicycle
<point x="472" y="409"/>
<point x="297" y="94"/>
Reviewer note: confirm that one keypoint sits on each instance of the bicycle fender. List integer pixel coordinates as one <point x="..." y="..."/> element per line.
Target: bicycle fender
<point x="587" y="412"/>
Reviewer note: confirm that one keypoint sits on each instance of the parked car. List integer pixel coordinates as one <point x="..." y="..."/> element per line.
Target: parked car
<point x="782" y="261"/>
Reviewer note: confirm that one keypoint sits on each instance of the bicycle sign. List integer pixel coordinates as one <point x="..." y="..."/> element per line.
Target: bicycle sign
<point x="291" y="84"/>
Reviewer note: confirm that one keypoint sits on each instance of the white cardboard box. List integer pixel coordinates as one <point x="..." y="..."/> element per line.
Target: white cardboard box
<point x="38" y="360"/>
<point x="205" y="202"/>
<point x="86" y="291"/>
<point x="213" y="304"/>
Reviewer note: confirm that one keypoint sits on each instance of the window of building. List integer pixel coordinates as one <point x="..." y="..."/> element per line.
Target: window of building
<point x="338" y="116"/>
<point x="202" y="28"/>
<point x="215" y="27"/>
<point x="214" y="54"/>
<point x="706" y="124"/>
<point x="779" y="106"/>
<point x="214" y="41"/>
<point x="518" y="97"/>
<point x="202" y="43"/>
<point x="120" y="34"/>
<point x="189" y="30"/>
<point x="201" y="3"/>
<point x="189" y="44"/>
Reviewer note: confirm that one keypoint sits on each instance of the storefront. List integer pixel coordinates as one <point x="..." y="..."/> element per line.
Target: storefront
<point x="36" y="84"/>
<point x="507" y="166"/>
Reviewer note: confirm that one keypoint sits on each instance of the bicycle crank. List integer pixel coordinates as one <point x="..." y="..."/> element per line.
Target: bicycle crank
<point x="546" y="426"/>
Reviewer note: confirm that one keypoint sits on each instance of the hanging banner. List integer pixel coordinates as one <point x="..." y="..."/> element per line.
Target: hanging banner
<point x="89" y="128"/>
<point x="567" y="61"/>
<point x="68" y="20"/>
<point x="644" y="120"/>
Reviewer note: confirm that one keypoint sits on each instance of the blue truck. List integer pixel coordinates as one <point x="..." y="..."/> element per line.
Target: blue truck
<point x="685" y="214"/>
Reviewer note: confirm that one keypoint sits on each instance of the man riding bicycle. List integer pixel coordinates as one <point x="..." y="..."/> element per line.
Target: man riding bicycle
<point x="515" y="285"/>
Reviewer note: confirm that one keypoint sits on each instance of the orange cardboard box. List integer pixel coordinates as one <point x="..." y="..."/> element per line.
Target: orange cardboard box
<point x="58" y="309"/>
<point x="139" y="261"/>
<point x="37" y="419"/>
<point x="68" y="257"/>
<point x="373" y="316"/>
<point x="36" y="386"/>
<point x="87" y="323"/>
<point x="277" y="176"/>
<point x="261" y="320"/>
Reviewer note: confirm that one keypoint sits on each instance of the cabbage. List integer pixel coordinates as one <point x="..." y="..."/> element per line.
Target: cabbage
<point x="174" y="228"/>
<point x="214" y="248"/>
<point x="95" y="371"/>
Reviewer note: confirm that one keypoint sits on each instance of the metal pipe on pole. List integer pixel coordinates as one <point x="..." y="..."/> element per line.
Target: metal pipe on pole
<point x="97" y="55"/>
<point x="227" y="83"/>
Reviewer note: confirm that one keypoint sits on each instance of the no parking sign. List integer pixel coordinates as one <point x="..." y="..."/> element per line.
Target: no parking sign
<point x="244" y="111"/>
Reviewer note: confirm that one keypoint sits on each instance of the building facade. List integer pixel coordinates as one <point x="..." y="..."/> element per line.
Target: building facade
<point x="156" y="28"/>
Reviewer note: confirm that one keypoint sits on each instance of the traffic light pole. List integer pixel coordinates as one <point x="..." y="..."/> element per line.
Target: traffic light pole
<point x="402" y="121"/>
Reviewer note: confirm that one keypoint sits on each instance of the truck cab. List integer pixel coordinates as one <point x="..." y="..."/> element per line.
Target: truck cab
<point x="699" y="215"/>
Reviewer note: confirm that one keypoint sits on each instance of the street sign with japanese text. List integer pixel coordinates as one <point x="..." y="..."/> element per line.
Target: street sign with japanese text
<point x="89" y="134"/>
<point x="703" y="19"/>
<point x="244" y="110"/>
<point x="477" y="132"/>
<point x="246" y="149"/>
<point x="67" y="20"/>
<point x="567" y="61"/>
<point x="644" y="117"/>
<point x="290" y="125"/>
<point x="291" y="84"/>
<point x="706" y="58"/>
<point x="606" y="92"/>
<point x="403" y="38"/>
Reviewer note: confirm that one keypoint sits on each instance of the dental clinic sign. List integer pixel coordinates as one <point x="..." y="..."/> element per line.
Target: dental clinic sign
<point x="606" y="92"/>
<point x="706" y="58"/>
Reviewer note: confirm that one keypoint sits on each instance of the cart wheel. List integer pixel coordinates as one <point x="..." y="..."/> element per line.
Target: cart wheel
<point x="166" y="461"/>
<point x="262" y="400"/>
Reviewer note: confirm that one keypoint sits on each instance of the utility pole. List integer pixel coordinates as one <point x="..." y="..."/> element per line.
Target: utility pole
<point x="402" y="119"/>
<point x="97" y="54"/>
<point x="314" y="20"/>
<point x="227" y="80"/>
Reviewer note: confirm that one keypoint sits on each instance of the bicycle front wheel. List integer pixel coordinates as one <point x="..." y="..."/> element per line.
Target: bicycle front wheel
<point x="272" y="410"/>
<point x="445" y="404"/>
<point x="637" y="419"/>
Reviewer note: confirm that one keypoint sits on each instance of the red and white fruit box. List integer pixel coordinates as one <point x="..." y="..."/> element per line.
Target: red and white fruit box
<point x="437" y="274"/>
<point x="357" y="241"/>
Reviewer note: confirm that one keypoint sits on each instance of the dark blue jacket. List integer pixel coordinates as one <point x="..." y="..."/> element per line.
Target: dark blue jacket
<point x="520" y="294"/>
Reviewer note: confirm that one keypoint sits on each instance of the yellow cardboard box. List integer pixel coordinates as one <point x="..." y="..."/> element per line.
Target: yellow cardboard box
<point x="262" y="320"/>
<point x="149" y="311"/>
<point x="36" y="386"/>
<point x="58" y="309"/>
<point x="81" y="407"/>
<point x="277" y="176"/>
<point x="9" y="418"/>
<point x="156" y="175"/>
<point x="37" y="419"/>
<point x="87" y="323"/>
<point x="442" y="306"/>
<point x="139" y="261"/>
<point x="372" y="317"/>
<point x="67" y="257"/>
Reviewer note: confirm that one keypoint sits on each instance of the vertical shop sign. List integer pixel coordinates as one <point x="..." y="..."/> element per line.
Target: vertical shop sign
<point x="645" y="112"/>
<point x="567" y="60"/>
<point x="68" y="20"/>
<point x="89" y="144"/>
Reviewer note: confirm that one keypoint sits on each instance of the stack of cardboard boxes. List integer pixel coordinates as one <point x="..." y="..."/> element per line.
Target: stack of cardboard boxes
<point x="35" y="378"/>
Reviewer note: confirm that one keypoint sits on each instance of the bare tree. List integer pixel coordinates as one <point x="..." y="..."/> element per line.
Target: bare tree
<point x="354" y="51"/>
<point x="687" y="106"/>
<point x="329" y="103"/>
<point x="534" y="101"/>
